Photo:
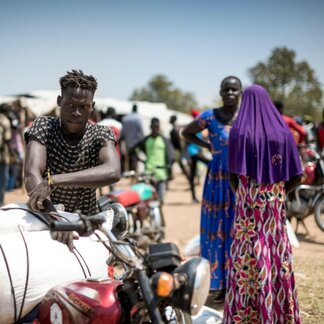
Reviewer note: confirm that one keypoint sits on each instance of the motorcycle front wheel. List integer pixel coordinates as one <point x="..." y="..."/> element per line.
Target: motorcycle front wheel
<point x="319" y="213"/>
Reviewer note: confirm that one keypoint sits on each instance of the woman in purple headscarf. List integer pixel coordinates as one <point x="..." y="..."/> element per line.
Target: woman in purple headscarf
<point x="264" y="166"/>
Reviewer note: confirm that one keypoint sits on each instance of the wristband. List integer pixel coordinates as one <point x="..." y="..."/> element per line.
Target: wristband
<point x="49" y="178"/>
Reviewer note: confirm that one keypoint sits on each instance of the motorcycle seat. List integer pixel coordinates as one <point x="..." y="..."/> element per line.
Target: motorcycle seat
<point x="145" y="191"/>
<point x="126" y="197"/>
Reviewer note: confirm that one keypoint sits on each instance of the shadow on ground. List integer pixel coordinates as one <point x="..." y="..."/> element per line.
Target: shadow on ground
<point x="308" y="239"/>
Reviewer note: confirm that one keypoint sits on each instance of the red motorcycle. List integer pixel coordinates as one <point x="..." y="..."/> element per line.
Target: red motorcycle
<point x="308" y="197"/>
<point x="143" y="207"/>
<point x="153" y="288"/>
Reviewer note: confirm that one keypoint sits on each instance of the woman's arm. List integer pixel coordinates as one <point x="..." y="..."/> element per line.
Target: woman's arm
<point x="190" y="131"/>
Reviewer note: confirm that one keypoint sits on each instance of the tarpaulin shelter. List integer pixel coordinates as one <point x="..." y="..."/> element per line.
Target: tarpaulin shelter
<point x="43" y="102"/>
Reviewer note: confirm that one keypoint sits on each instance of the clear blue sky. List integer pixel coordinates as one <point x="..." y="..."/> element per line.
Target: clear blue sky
<point x="124" y="43"/>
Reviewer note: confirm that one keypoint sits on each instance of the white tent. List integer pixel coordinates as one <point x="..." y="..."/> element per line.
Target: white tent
<point x="38" y="102"/>
<point x="147" y="110"/>
<point x="42" y="102"/>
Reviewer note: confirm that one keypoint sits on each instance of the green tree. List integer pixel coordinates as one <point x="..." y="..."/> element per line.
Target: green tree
<point x="294" y="83"/>
<point x="160" y="89"/>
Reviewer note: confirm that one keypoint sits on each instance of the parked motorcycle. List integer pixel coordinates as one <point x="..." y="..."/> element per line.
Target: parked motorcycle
<point x="308" y="197"/>
<point x="154" y="288"/>
<point x="143" y="207"/>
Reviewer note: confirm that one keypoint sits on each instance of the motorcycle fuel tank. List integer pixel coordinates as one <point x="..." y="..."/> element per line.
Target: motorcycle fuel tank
<point x="87" y="301"/>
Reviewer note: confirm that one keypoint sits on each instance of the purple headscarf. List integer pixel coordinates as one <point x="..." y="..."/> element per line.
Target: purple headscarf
<point x="260" y="143"/>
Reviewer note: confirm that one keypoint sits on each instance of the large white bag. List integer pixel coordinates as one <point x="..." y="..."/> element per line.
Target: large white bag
<point x="48" y="263"/>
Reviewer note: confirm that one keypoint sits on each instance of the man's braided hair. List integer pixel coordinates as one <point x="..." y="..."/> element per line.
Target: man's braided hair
<point x="77" y="79"/>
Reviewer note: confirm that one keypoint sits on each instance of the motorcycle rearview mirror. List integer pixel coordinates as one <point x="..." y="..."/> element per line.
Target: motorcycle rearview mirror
<point x="120" y="224"/>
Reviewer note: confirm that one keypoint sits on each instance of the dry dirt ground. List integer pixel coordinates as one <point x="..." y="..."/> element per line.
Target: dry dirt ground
<point x="182" y="223"/>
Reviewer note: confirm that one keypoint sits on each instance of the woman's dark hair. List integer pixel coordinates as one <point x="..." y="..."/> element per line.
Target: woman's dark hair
<point x="232" y="77"/>
<point x="77" y="79"/>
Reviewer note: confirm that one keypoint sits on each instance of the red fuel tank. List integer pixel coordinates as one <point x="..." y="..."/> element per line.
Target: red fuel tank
<point x="87" y="301"/>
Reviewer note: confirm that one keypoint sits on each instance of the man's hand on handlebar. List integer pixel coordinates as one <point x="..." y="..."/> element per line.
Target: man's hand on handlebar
<point x="65" y="238"/>
<point x="66" y="231"/>
<point x="38" y="196"/>
<point x="39" y="202"/>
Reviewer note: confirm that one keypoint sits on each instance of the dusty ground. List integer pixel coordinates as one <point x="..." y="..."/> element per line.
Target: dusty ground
<point x="182" y="223"/>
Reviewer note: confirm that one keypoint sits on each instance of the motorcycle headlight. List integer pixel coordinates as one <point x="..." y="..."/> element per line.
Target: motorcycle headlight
<point x="192" y="294"/>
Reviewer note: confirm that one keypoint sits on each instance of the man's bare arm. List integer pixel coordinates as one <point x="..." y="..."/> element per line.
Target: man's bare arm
<point x="35" y="164"/>
<point x="39" y="189"/>
<point x="106" y="173"/>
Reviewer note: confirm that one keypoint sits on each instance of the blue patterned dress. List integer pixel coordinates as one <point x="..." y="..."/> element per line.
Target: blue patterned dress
<point x="217" y="212"/>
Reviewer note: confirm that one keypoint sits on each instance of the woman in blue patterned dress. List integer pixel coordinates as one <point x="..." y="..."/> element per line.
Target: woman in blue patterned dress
<point x="217" y="210"/>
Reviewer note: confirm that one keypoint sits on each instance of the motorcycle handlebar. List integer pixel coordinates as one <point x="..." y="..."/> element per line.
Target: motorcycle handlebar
<point x="85" y="225"/>
<point x="78" y="226"/>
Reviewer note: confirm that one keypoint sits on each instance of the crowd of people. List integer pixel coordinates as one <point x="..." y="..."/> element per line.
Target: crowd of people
<point x="187" y="155"/>
<point x="129" y="135"/>
<point x="253" y="164"/>
<point x="12" y="148"/>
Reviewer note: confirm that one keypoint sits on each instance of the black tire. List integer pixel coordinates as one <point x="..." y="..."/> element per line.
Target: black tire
<point x="319" y="213"/>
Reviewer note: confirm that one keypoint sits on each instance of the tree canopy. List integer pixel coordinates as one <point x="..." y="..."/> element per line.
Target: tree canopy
<point x="294" y="83"/>
<point x="160" y="89"/>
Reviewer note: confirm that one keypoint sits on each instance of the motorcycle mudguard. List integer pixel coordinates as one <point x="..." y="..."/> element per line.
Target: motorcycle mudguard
<point x="84" y="301"/>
